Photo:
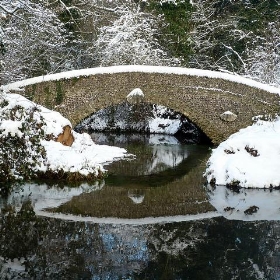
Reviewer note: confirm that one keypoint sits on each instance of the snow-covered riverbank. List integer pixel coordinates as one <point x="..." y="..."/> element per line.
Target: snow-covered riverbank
<point x="29" y="135"/>
<point x="249" y="158"/>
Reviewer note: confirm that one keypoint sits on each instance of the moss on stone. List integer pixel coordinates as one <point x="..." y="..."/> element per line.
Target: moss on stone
<point x="59" y="92"/>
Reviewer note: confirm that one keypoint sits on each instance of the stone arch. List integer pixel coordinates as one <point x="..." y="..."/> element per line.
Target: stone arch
<point x="200" y="95"/>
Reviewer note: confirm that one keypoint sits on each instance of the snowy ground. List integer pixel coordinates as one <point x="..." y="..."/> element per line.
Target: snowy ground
<point x="83" y="156"/>
<point x="249" y="158"/>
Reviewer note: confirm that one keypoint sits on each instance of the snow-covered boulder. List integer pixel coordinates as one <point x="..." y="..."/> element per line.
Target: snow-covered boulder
<point x="249" y="158"/>
<point x="136" y="96"/>
<point x="37" y="142"/>
<point x="228" y="116"/>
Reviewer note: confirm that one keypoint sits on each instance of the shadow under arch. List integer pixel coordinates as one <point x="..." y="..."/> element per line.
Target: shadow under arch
<point x="145" y="118"/>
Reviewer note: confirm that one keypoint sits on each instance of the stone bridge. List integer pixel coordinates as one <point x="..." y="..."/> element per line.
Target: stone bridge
<point x="199" y="94"/>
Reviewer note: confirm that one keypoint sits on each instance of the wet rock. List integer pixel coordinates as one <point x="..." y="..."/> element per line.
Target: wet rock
<point x="252" y="151"/>
<point x="66" y="137"/>
<point x="228" y="116"/>
<point x="229" y="152"/>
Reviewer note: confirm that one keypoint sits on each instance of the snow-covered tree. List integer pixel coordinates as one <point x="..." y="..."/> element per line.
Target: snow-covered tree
<point x="46" y="36"/>
<point x="215" y="37"/>
<point x="131" y="39"/>
<point x="41" y="37"/>
<point x="240" y="37"/>
<point x="263" y="61"/>
<point x="33" y="41"/>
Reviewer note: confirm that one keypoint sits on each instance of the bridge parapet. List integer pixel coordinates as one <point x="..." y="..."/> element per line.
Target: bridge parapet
<point x="200" y="95"/>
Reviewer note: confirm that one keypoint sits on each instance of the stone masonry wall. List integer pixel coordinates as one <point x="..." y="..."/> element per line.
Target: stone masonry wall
<point x="202" y="99"/>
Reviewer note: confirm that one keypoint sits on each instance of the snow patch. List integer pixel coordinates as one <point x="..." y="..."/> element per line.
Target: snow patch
<point x="228" y="113"/>
<point x="136" y="92"/>
<point x="164" y="126"/>
<point x="54" y="121"/>
<point x="137" y="199"/>
<point x="12" y="127"/>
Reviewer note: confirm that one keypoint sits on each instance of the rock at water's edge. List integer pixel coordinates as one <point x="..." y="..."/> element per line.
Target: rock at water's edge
<point x="66" y="137"/>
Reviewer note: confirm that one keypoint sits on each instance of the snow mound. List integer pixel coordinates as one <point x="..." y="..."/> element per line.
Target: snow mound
<point x="249" y="158"/>
<point x="28" y="148"/>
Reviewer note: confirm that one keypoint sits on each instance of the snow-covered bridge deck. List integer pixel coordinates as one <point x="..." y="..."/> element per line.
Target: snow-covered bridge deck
<point x="199" y="94"/>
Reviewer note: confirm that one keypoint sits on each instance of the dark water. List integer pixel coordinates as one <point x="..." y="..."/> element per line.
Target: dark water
<point x="150" y="219"/>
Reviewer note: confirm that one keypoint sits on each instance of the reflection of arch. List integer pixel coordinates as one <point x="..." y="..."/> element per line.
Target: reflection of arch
<point x="169" y="175"/>
<point x="200" y="95"/>
<point x="245" y="204"/>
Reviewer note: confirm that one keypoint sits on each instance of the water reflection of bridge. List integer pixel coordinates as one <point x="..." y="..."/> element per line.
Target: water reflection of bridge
<point x="200" y="95"/>
<point x="165" y="180"/>
<point x="246" y="204"/>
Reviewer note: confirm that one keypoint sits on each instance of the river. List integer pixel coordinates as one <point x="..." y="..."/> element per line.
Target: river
<point x="150" y="218"/>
